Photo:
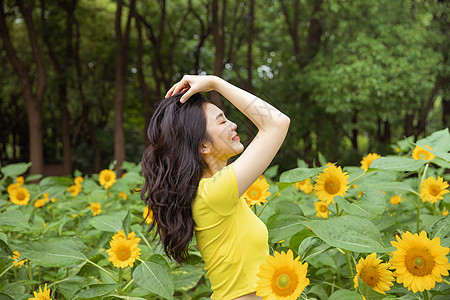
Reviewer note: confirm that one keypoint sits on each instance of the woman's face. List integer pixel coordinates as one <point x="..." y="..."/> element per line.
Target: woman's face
<point x="225" y="142"/>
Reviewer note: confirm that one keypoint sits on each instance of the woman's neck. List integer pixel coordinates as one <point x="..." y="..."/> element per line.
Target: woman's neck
<point x="214" y="166"/>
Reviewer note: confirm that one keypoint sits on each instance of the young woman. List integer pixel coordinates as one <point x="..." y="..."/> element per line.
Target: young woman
<point x="190" y="188"/>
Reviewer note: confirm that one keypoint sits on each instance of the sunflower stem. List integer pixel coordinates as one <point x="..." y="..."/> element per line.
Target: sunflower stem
<point x="425" y="295"/>
<point x="119" y="281"/>
<point x="418" y="198"/>
<point x="128" y="285"/>
<point x="266" y="205"/>
<point x="337" y="209"/>
<point x="357" y="177"/>
<point x="7" y="269"/>
<point x="446" y="281"/>
<point x="349" y="264"/>
<point x="101" y="268"/>
<point x="145" y="240"/>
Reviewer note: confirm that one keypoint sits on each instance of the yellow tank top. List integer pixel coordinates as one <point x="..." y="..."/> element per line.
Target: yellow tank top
<point x="232" y="240"/>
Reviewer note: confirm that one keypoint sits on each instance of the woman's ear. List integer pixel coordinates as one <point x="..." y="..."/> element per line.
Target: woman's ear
<point x="204" y="148"/>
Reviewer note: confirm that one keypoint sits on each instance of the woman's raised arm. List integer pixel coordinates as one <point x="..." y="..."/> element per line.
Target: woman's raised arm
<point x="271" y="123"/>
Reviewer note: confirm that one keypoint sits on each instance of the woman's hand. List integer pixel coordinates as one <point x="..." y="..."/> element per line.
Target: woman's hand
<point x="192" y="84"/>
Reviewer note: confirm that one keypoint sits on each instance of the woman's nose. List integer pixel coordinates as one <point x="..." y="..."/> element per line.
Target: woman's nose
<point x="233" y="126"/>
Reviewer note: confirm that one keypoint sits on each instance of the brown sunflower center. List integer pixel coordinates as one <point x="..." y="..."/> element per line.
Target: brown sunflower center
<point x="370" y="276"/>
<point x="284" y="282"/>
<point x="107" y="178"/>
<point x="254" y="194"/>
<point x="323" y="208"/>
<point x="332" y="186"/>
<point x="434" y="190"/>
<point x="123" y="253"/>
<point x="20" y="196"/>
<point x="419" y="262"/>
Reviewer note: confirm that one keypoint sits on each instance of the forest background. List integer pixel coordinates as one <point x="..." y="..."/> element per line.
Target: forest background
<point x="79" y="79"/>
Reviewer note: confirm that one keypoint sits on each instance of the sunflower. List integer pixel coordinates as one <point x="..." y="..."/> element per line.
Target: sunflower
<point x="107" y="178"/>
<point x="421" y="153"/>
<point x="258" y="192"/>
<point x="19" y="180"/>
<point x="124" y="252"/>
<point x="131" y="236"/>
<point x="74" y="190"/>
<point x="445" y="212"/>
<point x="374" y="273"/>
<point x="16" y="258"/>
<point x="20" y="196"/>
<point x="396" y="199"/>
<point x="96" y="208"/>
<point x="433" y="190"/>
<point x="147" y="215"/>
<point x="418" y="261"/>
<point x="322" y="209"/>
<point x="78" y="180"/>
<point x="305" y="186"/>
<point x="123" y="195"/>
<point x="332" y="182"/>
<point x="282" y="277"/>
<point x="12" y="187"/>
<point x="40" y="202"/>
<point x="367" y="160"/>
<point x="42" y="294"/>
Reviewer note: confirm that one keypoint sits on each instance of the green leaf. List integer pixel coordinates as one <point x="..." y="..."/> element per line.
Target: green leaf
<point x="53" y="252"/>
<point x="351" y="233"/>
<point x="5" y="297"/>
<point x="300" y="174"/>
<point x="311" y="247"/>
<point x="187" y="276"/>
<point x="155" y="277"/>
<point x="388" y="186"/>
<point x="368" y="292"/>
<point x="95" y="290"/>
<point x="397" y="163"/>
<point x="286" y="221"/>
<point x="126" y="224"/>
<point x="15" y="170"/>
<point x="98" y="195"/>
<point x="109" y="223"/>
<point x="439" y="141"/>
<point x="127" y="297"/>
<point x="440" y="228"/>
<point x="345" y="294"/>
<point x="4" y="249"/>
<point x="55" y="185"/>
<point x="297" y="239"/>
<point x="371" y="205"/>
<point x="14" y="218"/>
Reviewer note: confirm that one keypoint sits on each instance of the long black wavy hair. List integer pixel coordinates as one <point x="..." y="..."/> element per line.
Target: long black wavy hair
<point x="172" y="167"/>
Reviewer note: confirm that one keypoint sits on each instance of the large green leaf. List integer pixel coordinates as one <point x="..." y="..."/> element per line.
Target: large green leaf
<point x="351" y="233"/>
<point x="286" y="221"/>
<point x="440" y="228"/>
<point x="388" y="186"/>
<point x="300" y="174"/>
<point x="15" y="170"/>
<point x="95" y="290"/>
<point x="345" y="294"/>
<point x="370" y="205"/>
<point x="110" y="223"/>
<point x="439" y="141"/>
<point x="397" y="163"/>
<point x="187" y="276"/>
<point x="4" y="249"/>
<point x="53" y="252"/>
<point x="155" y="276"/>
<point x="14" y="218"/>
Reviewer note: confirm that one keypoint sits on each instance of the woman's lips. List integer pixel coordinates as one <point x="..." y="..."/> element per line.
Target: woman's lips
<point x="236" y="138"/>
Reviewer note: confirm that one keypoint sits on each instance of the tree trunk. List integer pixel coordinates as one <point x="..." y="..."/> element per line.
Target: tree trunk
<point x="355" y="131"/>
<point x="122" y="41"/>
<point x="425" y="111"/>
<point x="218" y="23"/>
<point x="33" y="98"/>
<point x="409" y="124"/>
<point x="249" y="85"/>
<point x="142" y="83"/>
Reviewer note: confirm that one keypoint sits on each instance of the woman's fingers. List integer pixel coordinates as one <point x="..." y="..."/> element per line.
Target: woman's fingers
<point x="178" y="87"/>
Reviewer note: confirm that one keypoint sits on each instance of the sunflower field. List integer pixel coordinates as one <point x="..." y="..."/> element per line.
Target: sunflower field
<point x="375" y="231"/>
